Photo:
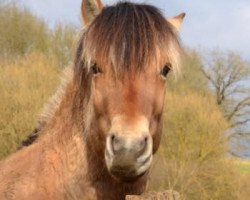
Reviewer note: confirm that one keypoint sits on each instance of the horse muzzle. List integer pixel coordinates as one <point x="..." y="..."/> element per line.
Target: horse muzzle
<point x="128" y="158"/>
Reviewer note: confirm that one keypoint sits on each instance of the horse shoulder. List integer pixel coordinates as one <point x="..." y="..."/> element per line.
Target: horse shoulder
<point x="24" y="176"/>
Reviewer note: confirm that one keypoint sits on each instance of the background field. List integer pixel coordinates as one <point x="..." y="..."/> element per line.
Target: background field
<point x="193" y="158"/>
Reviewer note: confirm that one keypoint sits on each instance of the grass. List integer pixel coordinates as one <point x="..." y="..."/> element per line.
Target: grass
<point x="243" y="166"/>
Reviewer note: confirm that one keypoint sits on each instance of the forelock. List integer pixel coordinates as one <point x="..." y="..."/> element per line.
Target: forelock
<point x="131" y="36"/>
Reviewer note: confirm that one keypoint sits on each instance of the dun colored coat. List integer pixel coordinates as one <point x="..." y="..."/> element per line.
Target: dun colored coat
<point x="103" y="130"/>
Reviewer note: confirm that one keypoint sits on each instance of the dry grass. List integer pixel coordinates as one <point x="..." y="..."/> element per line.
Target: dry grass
<point x="244" y="191"/>
<point x="25" y="85"/>
<point x="243" y="166"/>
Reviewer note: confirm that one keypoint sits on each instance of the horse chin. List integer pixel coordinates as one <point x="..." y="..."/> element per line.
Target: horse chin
<point x="128" y="178"/>
<point x="128" y="172"/>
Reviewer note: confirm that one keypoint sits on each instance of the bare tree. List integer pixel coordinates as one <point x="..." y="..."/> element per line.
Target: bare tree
<point x="229" y="78"/>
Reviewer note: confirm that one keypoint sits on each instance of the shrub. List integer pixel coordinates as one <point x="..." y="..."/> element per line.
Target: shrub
<point x="192" y="158"/>
<point x="21" y="32"/>
<point x="62" y="42"/>
<point x="25" y="85"/>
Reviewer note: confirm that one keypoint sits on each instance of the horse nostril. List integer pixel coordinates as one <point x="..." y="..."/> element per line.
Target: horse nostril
<point x="109" y="144"/>
<point x="121" y="145"/>
<point x="116" y="143"/>
<point x="112" y="139"/>
<point x="142" y="145"/>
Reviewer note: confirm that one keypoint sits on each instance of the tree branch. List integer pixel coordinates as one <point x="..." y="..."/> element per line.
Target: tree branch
<point x="243" y="103"/>
<point x="240" y="123"/>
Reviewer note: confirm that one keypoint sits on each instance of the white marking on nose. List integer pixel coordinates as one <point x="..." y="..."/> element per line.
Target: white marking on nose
<point x="109" y="146"/>
<point x="148" y="151"/>
<point x="124" y="126"/>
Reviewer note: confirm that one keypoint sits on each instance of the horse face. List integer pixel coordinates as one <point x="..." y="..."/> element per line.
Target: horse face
<point x="128" y="113"/>
<point x="130" y="45"/>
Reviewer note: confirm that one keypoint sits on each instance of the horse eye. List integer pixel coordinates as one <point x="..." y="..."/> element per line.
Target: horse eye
<point x="165" y="70"/>
<point x="95" y="69"/>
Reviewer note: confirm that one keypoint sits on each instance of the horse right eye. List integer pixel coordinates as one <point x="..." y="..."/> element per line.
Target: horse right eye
<point x="165" y="70"/>
<point x="95" y="69"/>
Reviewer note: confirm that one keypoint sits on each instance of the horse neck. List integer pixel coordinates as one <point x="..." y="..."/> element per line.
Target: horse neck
<point x="61" y="136"/>
<point x="68" y="134"/>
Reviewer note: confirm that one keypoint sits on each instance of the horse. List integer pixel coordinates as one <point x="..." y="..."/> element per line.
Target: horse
<point x="105" y="123"/>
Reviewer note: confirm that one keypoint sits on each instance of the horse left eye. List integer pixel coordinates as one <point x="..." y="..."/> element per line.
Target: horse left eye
<point x="165" y="70"/>
<point x="95" y="69"/>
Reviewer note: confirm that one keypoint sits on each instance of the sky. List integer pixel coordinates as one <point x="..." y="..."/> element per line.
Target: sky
<point x="209" y="25"/>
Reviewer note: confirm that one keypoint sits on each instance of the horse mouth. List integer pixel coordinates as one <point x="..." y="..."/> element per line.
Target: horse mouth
<point x="126" y="169"/>
<point x="126" y="174"/>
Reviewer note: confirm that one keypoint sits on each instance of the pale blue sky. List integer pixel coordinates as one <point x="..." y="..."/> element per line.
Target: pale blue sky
<point x="209" y="24"/>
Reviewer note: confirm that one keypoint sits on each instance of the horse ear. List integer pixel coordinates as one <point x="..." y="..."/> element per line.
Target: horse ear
<point x="90" y="9"/>
<point x="177" y="21"/>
